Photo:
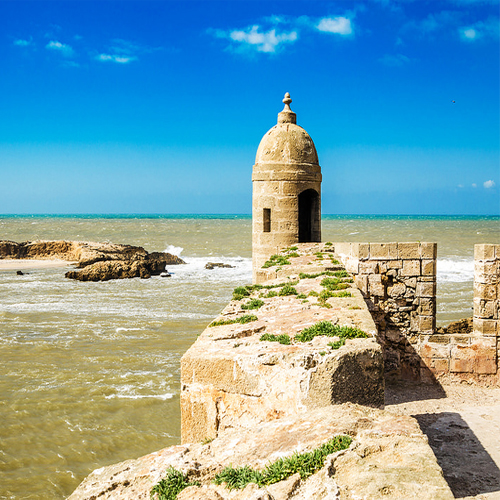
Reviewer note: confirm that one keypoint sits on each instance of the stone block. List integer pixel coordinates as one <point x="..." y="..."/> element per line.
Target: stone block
<point x="484" y="252"/>
<point x="484" y="291"/>
<point x="408" y="250"/>
<point x="368" y="267"/>
<point x="383" y="251"/>
<point x="411" y="268"/>
<point x="426" y="324"/>
<point x="428" y="250"/>
<point x="426" y="307"/>
<point x="394" y="264"/>
<point x="352" y="265"/>
<point x="485" y="366"/>
<point x="362" y="283"/>
<point x="426" y="289"/>
<point x="344" y="248"/>
<point x="484" y="308"/>
<point x="428" y="267"/>
<point x="441" y="365"/>
<point x="488" y="327"/>
<point x="485" y="272"/>
<point x="461" y="366"/>
<point x="375" y="288"/>
<point x="411" y="282"/>
<point x="398" y="290"/>
<point x="361" y="250"/>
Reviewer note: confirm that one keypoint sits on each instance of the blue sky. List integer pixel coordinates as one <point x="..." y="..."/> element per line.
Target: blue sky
<point x="159" y="106"/>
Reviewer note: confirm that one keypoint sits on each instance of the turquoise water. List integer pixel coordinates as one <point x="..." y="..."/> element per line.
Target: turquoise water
<point x="90" y="371"/>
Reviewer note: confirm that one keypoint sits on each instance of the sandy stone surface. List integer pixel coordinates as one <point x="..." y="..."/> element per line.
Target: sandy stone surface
<point x="462" y="423"/>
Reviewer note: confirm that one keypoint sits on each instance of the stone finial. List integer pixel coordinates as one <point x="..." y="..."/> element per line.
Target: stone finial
<point x="287" y="115"/>
<point x="287" y="101"/>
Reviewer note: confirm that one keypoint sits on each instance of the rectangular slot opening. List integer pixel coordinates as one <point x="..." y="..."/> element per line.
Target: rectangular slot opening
<point x="267" y="220"/>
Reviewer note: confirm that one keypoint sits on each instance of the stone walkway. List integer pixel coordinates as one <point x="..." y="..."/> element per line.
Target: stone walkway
<point x="462" y="423"/>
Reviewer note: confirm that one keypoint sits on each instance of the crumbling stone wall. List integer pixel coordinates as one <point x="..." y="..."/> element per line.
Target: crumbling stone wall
<point x="398" y="281"/>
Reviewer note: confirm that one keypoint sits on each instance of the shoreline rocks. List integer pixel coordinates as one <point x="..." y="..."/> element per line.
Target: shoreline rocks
<point x="96" y="261"/>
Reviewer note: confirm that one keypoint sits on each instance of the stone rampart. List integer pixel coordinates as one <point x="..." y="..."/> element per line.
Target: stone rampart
<point x="232" y="377"/>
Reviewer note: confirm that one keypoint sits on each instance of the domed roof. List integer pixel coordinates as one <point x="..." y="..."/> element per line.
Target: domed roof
<point x="286" y="142"/>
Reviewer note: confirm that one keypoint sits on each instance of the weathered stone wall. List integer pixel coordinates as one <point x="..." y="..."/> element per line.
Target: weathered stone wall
<point x="471" y="357"/>
<point x="398" y="281"/>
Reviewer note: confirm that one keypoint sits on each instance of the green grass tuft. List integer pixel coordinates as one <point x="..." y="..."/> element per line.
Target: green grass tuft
<point x="282" y="339"/>
<point x="169" y="487"/>
<point x="276" y="260"/>
<point x="252" y="304"/>
<point x="287" y="290"/>
<point x="330" y="330"/>
<point x="246" y="318"/>
<point x="306" y="464"/>
<point x="333" y="284"/>
<point x="240" y="292"/>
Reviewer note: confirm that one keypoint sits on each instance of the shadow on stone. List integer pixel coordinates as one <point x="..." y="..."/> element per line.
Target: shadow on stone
<point x="403" y="391"/>
<point x="467" y="466"/>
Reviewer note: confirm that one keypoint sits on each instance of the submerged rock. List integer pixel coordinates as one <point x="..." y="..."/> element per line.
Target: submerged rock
<point x="213" y="265"/>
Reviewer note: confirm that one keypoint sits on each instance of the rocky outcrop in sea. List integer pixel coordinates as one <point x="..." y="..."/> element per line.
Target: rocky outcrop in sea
<point x="96" y="261"/>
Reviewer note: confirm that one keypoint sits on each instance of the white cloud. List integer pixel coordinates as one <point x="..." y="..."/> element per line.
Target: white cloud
<point x="22" y="43"/>
<point x="262" y="41"/>
<point x="469" y="33"/>
<point x="120" y="59"/>
<point x="394" y="59"/>
<point x="339" y="25"/>
<point x="481" y="29"/>
<point x="474" y="185"/>
<point x="62" y="48"/>
<point x="489" y="184"/>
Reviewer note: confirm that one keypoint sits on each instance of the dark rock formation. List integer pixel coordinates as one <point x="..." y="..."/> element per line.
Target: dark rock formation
<point x="97" y="261"/>
<point x="139" y="266"/>
<point x="213" y="265"/>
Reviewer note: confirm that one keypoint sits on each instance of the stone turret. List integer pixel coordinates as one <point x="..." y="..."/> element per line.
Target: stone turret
<point x="286" y="189"/>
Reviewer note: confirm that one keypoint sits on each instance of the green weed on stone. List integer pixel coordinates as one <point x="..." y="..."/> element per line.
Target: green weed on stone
<point x="305" y="464"/>
<point x="173" y="483"/>
<point x="282" y="339"/>
<point x="246" y="318"/>
<point x="328" y="329"/>
<point x="253" y="304"/>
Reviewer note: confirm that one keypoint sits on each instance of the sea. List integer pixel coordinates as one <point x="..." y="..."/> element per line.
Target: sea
<point x="90" y="371"/>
